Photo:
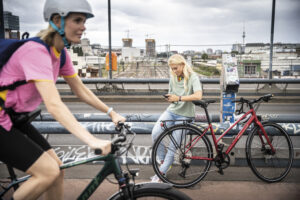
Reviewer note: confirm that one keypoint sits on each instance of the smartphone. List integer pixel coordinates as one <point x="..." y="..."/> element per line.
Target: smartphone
<point x="165" y="95"/>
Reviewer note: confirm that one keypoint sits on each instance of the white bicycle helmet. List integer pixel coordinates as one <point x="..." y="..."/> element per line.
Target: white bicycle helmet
<point x="64" y="7"/>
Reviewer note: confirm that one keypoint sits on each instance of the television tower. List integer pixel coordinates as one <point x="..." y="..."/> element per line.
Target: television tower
<point x="244" y="35"/>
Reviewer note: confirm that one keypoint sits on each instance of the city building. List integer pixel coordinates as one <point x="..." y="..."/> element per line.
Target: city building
<point x="11" y="25"/>
<point x="218" y="52"/>
<point x="86" y="47"/>
<point x="209" y="51"/>
<point x="150" y="48"/>
<point x="130" y="53"/>
<point x="237" y="48"/>
<point x="96" y="49"/>
<point x="127" y="42"/>
<point x="256" y="60"/>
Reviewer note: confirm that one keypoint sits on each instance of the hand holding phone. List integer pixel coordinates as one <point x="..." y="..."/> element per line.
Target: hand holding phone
<point x="166" y="95"/>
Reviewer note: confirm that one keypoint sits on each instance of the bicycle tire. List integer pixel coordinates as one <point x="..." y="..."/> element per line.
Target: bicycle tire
<point x="267" y="167"/>
<point x="155" y="190"/>
<point x="184" y="172"/>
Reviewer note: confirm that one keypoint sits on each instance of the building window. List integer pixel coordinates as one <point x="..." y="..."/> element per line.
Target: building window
<point x="250" y="70"/>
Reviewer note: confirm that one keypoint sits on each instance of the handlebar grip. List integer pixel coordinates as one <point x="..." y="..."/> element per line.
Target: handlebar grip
<point x="267" y="97"/>
<point x="98" y="151"/>
<point x="119" y="126"/>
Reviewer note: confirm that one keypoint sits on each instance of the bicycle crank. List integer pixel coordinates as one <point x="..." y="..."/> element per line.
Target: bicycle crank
<point x="222" y="161"/>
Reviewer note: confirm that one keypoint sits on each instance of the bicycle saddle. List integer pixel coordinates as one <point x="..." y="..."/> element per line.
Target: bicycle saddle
<point x="203" y="103"/>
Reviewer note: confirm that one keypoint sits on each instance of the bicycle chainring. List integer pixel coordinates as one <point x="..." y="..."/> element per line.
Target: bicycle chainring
<point x="222" y="160"/>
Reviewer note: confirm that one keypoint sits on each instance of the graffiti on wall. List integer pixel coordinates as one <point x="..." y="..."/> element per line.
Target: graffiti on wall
<point x="70" y="153"/>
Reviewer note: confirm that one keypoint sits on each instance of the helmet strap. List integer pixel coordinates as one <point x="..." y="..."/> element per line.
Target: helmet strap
<point x="61" y="31"/>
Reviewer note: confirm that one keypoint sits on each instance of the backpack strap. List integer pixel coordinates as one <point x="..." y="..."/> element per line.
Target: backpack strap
<point x="62" y="55"/>
<point x="62" y="58"/>
<point x="12" y="86"/>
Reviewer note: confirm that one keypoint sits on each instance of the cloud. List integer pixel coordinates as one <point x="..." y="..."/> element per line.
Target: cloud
<point x="178" y="22"/>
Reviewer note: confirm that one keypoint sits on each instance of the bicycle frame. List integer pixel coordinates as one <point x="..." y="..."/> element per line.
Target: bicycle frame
<point x="111" y="166"/>
<point x="216" y="140"/>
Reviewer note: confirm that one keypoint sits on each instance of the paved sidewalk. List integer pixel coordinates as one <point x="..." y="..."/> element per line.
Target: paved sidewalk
<point x="205" y="190"/>
<point x="238" y="183"/>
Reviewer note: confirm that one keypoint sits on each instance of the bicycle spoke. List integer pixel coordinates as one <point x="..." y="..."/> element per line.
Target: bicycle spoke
<point x="180" y="147"/>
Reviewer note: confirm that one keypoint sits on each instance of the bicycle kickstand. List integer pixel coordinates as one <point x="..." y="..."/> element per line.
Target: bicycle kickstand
<point x="220" y="171"/>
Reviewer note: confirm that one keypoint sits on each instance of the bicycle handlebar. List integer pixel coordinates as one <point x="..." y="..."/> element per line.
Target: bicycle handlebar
<point x="265" y="98"/>
<point x="123" y="129"/>
<point x="250" y="103"/>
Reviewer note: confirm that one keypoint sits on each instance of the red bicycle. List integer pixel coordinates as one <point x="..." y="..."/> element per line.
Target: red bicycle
<point x="269" y="150"/>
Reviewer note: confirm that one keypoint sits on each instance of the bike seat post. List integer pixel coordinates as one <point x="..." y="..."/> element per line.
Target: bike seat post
<point x="206" y="113"/>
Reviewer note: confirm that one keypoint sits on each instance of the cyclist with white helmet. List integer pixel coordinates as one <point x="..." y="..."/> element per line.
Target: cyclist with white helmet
<point x="22" y="146"/>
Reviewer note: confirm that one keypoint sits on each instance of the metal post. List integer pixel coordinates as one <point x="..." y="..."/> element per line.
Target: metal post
<point x="100" y="68"/>
<point x="2" y="34"/>
<point x="109" y="41"/>
<point x="271" y="42"/>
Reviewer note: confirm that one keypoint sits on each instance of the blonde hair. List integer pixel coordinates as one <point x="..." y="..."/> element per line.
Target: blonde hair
<point x="47" y="35"/>
<point x="187" y="70"/>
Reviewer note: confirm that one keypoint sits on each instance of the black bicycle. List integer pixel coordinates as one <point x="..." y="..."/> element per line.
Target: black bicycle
<point x="126" y="180"/>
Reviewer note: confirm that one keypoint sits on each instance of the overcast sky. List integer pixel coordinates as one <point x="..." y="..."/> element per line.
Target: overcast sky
<point x="177" y="22"/>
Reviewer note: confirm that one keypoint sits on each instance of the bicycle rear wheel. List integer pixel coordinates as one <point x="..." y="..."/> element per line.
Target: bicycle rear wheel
<point x="153" y="191"/>
<point x="187" y="151"/>
<point x="270" y="166"/>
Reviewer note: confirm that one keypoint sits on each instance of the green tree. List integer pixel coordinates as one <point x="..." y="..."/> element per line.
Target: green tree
<point x="204" y="56"/>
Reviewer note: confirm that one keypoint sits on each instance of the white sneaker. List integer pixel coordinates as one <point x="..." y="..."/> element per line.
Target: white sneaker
<point x="155" y="179"/>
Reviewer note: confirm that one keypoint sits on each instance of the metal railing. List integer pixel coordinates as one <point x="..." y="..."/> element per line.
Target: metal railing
<point x="203" y="80"/>
<point x="126" y="87"/>
<point x="143" y="123"/>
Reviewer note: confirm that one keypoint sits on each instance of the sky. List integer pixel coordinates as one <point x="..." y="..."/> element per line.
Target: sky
<point x="184" y="24"/>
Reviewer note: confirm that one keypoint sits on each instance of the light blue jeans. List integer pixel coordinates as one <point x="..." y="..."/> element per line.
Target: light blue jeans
<point x="167" y="157"/>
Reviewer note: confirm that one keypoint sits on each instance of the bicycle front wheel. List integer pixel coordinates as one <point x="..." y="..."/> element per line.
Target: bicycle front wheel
<point x="153" y="191"/>
<point x="184" y="153"/>
<point x="270" y="163"/>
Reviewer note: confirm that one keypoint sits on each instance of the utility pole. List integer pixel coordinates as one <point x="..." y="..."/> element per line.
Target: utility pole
<point x="272" y="35"/>
<point x="244" y="35"/>
<point x="2" y="34"/>
<point x="109" y="41"/>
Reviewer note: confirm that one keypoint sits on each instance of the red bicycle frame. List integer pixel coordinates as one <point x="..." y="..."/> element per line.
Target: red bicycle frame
<point x="216" y="140"/>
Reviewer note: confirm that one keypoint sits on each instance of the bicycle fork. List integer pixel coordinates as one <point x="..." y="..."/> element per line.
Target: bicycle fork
<point x="124" y="182"/>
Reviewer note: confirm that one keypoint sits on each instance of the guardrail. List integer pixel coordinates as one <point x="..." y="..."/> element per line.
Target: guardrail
<point x="279" y="87"/>
<point x="143" y="123"/>
<point x="203" y="80"/>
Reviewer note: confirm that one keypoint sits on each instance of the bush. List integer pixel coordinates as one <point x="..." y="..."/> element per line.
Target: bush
<point x="206" y="70"/>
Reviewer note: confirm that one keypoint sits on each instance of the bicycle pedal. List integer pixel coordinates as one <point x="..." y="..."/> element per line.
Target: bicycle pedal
<point x="220" y="171"/>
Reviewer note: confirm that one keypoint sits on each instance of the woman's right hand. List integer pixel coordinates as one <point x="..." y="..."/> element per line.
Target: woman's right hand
<point x="104" y="145"/>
